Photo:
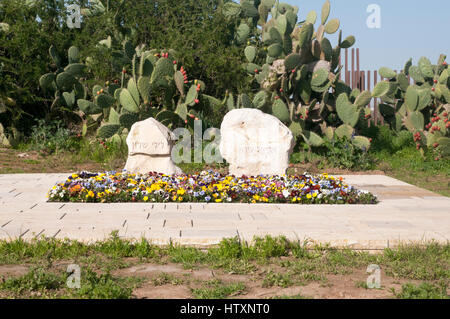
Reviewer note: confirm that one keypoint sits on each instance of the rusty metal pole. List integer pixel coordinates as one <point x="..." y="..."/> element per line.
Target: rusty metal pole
<point x="353" y="69"/>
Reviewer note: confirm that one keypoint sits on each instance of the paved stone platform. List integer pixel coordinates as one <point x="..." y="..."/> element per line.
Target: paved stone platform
<point x="406" y="214"/>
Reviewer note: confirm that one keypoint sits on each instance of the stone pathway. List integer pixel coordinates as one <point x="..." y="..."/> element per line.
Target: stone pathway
<point x="406" y="214"/>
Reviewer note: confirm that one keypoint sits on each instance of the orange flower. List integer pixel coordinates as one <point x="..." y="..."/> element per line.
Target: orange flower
<point x="75" y="189"/>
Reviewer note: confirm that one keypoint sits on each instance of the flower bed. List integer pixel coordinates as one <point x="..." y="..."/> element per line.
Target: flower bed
<point x="112" y="187"/>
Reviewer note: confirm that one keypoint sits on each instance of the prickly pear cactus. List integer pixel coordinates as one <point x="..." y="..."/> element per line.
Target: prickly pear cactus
<point x="152" y="84"/>
<point x="420" y="106"/>
<point x="65" y="83"/>
<point x="298" y="71"/>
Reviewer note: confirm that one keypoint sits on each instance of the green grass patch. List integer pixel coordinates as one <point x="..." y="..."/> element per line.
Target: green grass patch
<point x="425" y="262"/>
<point x="216" y="289"/>
<point x="36" y="280"/>
<point x="166" y="279"/>
<point x="283" y="280"/>
<point x="423" y="291"/>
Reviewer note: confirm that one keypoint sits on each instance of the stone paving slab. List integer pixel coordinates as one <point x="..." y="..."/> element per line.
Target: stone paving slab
<point x="405" y="214"/>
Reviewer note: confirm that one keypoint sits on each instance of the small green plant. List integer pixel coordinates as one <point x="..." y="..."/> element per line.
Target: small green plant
<point x="105" y="286"/>
<point x="361" y="284"/>
<point x="52" y="137"/>
<point x="342" y="153"/>
<point x="216" y="289"/>
<point x="36" y="280"/>
<point x="277" y="279"/>
<point x="423" y="291"/>
<point x="165" y="279"/>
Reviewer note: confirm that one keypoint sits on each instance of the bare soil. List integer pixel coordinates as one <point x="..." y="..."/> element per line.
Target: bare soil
<point x="335" y="286"/>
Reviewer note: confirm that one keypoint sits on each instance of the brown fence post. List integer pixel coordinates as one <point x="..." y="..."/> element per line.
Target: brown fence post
<point x="375" y="100"/>
<point x="353" y="69"/>
<point x="347" y="80"/>
<point x="358" y="72"/>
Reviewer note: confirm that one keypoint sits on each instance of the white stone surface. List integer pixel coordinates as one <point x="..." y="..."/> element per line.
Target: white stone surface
<point x="406" y="214"/>
<point x="149" y="148"/>
<point x="255" y="143"/>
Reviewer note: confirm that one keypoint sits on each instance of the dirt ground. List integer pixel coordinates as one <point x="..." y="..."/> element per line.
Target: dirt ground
<point x="337" y="286"/>
<point x="182" y="281"/>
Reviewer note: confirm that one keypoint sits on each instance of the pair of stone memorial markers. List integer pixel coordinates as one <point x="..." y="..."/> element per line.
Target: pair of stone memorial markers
<point x="252" y="142"/>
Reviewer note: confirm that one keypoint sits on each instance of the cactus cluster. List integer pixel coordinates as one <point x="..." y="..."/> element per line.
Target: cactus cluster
<point x="155" y="87"/>
<point x="422" y="107"/>
<point x="298" y="71"/>
<point x="65" y="81"/>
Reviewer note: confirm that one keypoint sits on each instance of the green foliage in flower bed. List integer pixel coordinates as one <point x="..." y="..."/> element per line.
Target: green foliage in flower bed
<point x="208" y="186"/>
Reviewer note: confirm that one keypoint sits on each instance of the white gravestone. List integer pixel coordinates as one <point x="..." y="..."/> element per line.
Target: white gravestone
<point x="149" y="148"/>
<point x="255" y="143"/>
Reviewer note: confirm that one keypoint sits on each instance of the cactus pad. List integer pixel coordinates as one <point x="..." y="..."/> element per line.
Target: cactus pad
<point x="332" y="26"/>
<point x="387" y="73"/>
<point x="381" y="89"/>
<point x="88" y="107"/>
<point x="412" y="99"/>
<point x="65" y="81"/>
<point x="280" y="110"/>
<point x="128" y="101"/>
<point x="46" y="81"/>
<point x="250" y="53"/>
<point x="107" y="130"/>
<point x="319" y="77"/>
<point x="104" y="100"/>
<point x="128" y="119"/>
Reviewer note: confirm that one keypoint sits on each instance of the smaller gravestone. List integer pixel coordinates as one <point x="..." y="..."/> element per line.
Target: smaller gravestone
<point x="149" y="148"/>
<point x="255" y="143"/>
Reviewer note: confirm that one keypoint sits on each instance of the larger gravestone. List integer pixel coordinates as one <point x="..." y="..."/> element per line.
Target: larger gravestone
<point x="149" y="148"/>
<point x="255" y="143"/>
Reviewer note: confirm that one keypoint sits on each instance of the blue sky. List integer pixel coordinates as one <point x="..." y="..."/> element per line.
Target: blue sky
<point x="409" y="29"/>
